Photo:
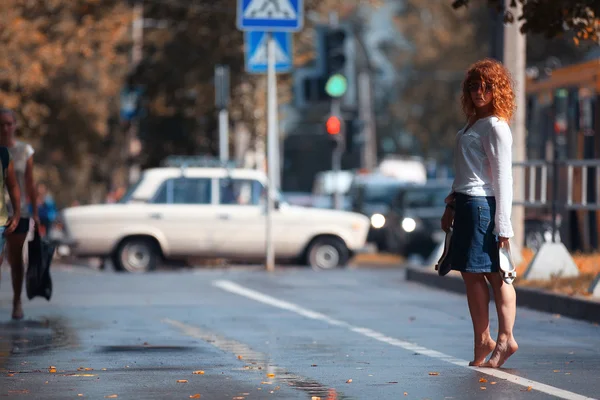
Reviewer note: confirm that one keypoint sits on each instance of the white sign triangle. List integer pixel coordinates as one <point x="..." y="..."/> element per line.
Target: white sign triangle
<point x="260" y="56"/>
<point x="270" y="9"/>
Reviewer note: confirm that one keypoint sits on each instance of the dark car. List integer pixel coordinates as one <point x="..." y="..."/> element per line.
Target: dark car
<point x="373" y="196"/>
<point x="412" y="224"/>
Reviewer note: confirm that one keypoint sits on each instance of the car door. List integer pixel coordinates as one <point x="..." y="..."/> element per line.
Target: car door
<point x="240" y="227"/>
<point x="183" y="212"/>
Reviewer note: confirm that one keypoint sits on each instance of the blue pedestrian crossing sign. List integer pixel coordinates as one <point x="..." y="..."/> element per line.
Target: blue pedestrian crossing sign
<point x="256" y="51"/>
<point x="270" y="15"/>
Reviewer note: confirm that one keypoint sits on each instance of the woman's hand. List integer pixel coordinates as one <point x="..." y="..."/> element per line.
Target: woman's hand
<point x="12" y="224"/>
<point x="503" y="243"/>
<point x="447" y="219"/>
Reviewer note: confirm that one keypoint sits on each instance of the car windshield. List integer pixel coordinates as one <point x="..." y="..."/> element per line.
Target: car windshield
<point x="127" y="196"/>
<point x="425" y="197"/>
<point x="380" y="193"/>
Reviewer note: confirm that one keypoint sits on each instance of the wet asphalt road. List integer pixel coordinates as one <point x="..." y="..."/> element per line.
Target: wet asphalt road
<point x="294" y="334"/>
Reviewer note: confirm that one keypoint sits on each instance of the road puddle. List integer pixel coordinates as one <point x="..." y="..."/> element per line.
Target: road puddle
<point x="19" y="338"/>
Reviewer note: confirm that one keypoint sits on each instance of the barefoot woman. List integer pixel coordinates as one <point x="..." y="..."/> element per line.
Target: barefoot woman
<point x="479" y="206"/>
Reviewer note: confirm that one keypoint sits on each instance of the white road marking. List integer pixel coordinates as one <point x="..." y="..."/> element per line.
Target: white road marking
<point x="274" y="302"/>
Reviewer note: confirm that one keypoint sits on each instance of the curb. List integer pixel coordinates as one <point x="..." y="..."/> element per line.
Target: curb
<point x="535" y="299"/>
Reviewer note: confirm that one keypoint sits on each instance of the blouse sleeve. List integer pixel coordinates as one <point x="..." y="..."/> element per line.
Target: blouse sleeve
<point x="497" y="146"/>
<point x="29" y="151"/>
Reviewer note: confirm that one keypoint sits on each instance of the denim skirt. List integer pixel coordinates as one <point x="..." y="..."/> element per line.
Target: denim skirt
<point x="474" y="246"/>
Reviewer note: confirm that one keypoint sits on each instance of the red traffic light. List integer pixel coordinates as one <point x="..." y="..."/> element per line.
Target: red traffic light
<point x="333" y="125"/>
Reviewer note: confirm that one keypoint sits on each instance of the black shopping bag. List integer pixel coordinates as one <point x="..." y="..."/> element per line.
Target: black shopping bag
<point x="39" y="255"/>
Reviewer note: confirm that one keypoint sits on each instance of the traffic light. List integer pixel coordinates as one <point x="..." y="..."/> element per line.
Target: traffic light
<point x="335" y="50"/>
<point x="333" y="125"/>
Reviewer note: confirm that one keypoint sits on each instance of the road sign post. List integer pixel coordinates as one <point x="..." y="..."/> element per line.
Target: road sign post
<point x="275" y="18"/>
<point x="222" y="104"/>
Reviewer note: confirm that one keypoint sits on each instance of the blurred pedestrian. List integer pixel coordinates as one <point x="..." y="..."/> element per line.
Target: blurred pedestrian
<point x="479" y="207"/>
<point x="46" y="209"/>
<point x="21" y="155"/>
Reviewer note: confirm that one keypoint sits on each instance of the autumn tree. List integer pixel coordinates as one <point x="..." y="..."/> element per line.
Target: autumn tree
<point x="61" y="63"/>
<point x="550" y="18"/>
<point x="443" y="43"/>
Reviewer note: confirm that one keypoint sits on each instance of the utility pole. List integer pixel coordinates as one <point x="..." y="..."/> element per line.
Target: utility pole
<point x="514" y="58"/>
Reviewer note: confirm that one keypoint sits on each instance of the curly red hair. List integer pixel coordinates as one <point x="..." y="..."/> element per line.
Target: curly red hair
<point x="490" y="72"/>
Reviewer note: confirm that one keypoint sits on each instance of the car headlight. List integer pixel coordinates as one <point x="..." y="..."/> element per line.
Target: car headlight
<point x="409" y="225"/>
<point x="377" y="221"/>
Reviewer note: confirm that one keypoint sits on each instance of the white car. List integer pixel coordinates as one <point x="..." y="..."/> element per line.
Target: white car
<point x="174" y="213"/>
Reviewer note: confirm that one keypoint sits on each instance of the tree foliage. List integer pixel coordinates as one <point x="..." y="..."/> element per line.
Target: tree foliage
<point x="60" y="68"/>
<point x="551" y="17"/>
<point x="443" y="44"/>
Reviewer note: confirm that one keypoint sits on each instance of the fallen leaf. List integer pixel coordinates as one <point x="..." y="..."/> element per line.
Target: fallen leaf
<point x="483" y="380"/>
<point x="52" y="370"/>
<point x="182" y="381"/>
<point x="529" y="389"/>
<point x="492" y="383"/>
<point x="195" y="396"/>
<point x="11" y="374"/>
<point x="88" y="369"/>
<point x="198" y="372"/>
<point x="266" y="383"/>
<point x="239" y="398"/>
<point x="556" y="370"/>
<point x="103" y="369"/>
<point x="482" y="388"/>
<point x="349" y="381"/>
<point x="111" y="396"/>
<point x="313" y="365"/>
<point x="270" y="375"/>
<point x="434" y="373"/>
<point x="315" y="398"/>
<point x="240" y="357"/>
<point x="406" y="393"/>
<point x="277" y="388"/>
<point x="83" y="375"/>
<point x="46" y="382"/>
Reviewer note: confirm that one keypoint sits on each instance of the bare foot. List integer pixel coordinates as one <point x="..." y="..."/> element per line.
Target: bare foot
<point x="481" y="352"/>
<point x="501" y="353"/>
<point x="17" y="313"/>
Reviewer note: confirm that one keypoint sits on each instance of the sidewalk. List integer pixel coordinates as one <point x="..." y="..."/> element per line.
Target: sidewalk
<point x="573" y="306"/>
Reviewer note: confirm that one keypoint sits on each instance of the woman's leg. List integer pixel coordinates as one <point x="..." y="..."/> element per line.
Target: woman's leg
<point x="14" y="245"/>
<point x="506" y="306"/>
<point x="478" y="297"/>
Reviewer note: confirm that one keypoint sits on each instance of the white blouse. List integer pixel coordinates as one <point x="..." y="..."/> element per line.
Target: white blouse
<point x="483" y="167"/>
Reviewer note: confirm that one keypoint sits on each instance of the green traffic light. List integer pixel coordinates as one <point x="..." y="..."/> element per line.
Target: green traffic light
<point x="336" y="85"/>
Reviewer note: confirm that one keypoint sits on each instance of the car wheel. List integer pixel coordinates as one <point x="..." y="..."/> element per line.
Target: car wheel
<point x="136" y="255"/>
<point x="327" y="253"/>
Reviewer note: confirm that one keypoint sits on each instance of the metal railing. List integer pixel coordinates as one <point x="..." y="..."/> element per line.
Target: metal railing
<point x="564" y="185"/>
<point x="536" y="178"/>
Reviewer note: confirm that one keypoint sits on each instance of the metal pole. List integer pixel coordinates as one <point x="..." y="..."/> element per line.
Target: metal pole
<point x="223" y="135"/>
<point x="555" y="185"/>
<point x="133" y="143"/>
<point x="365" y="112"/>
<point x="222" y="103"/>
<point x="336" y="156"/>
<point x="272" y="148"/>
